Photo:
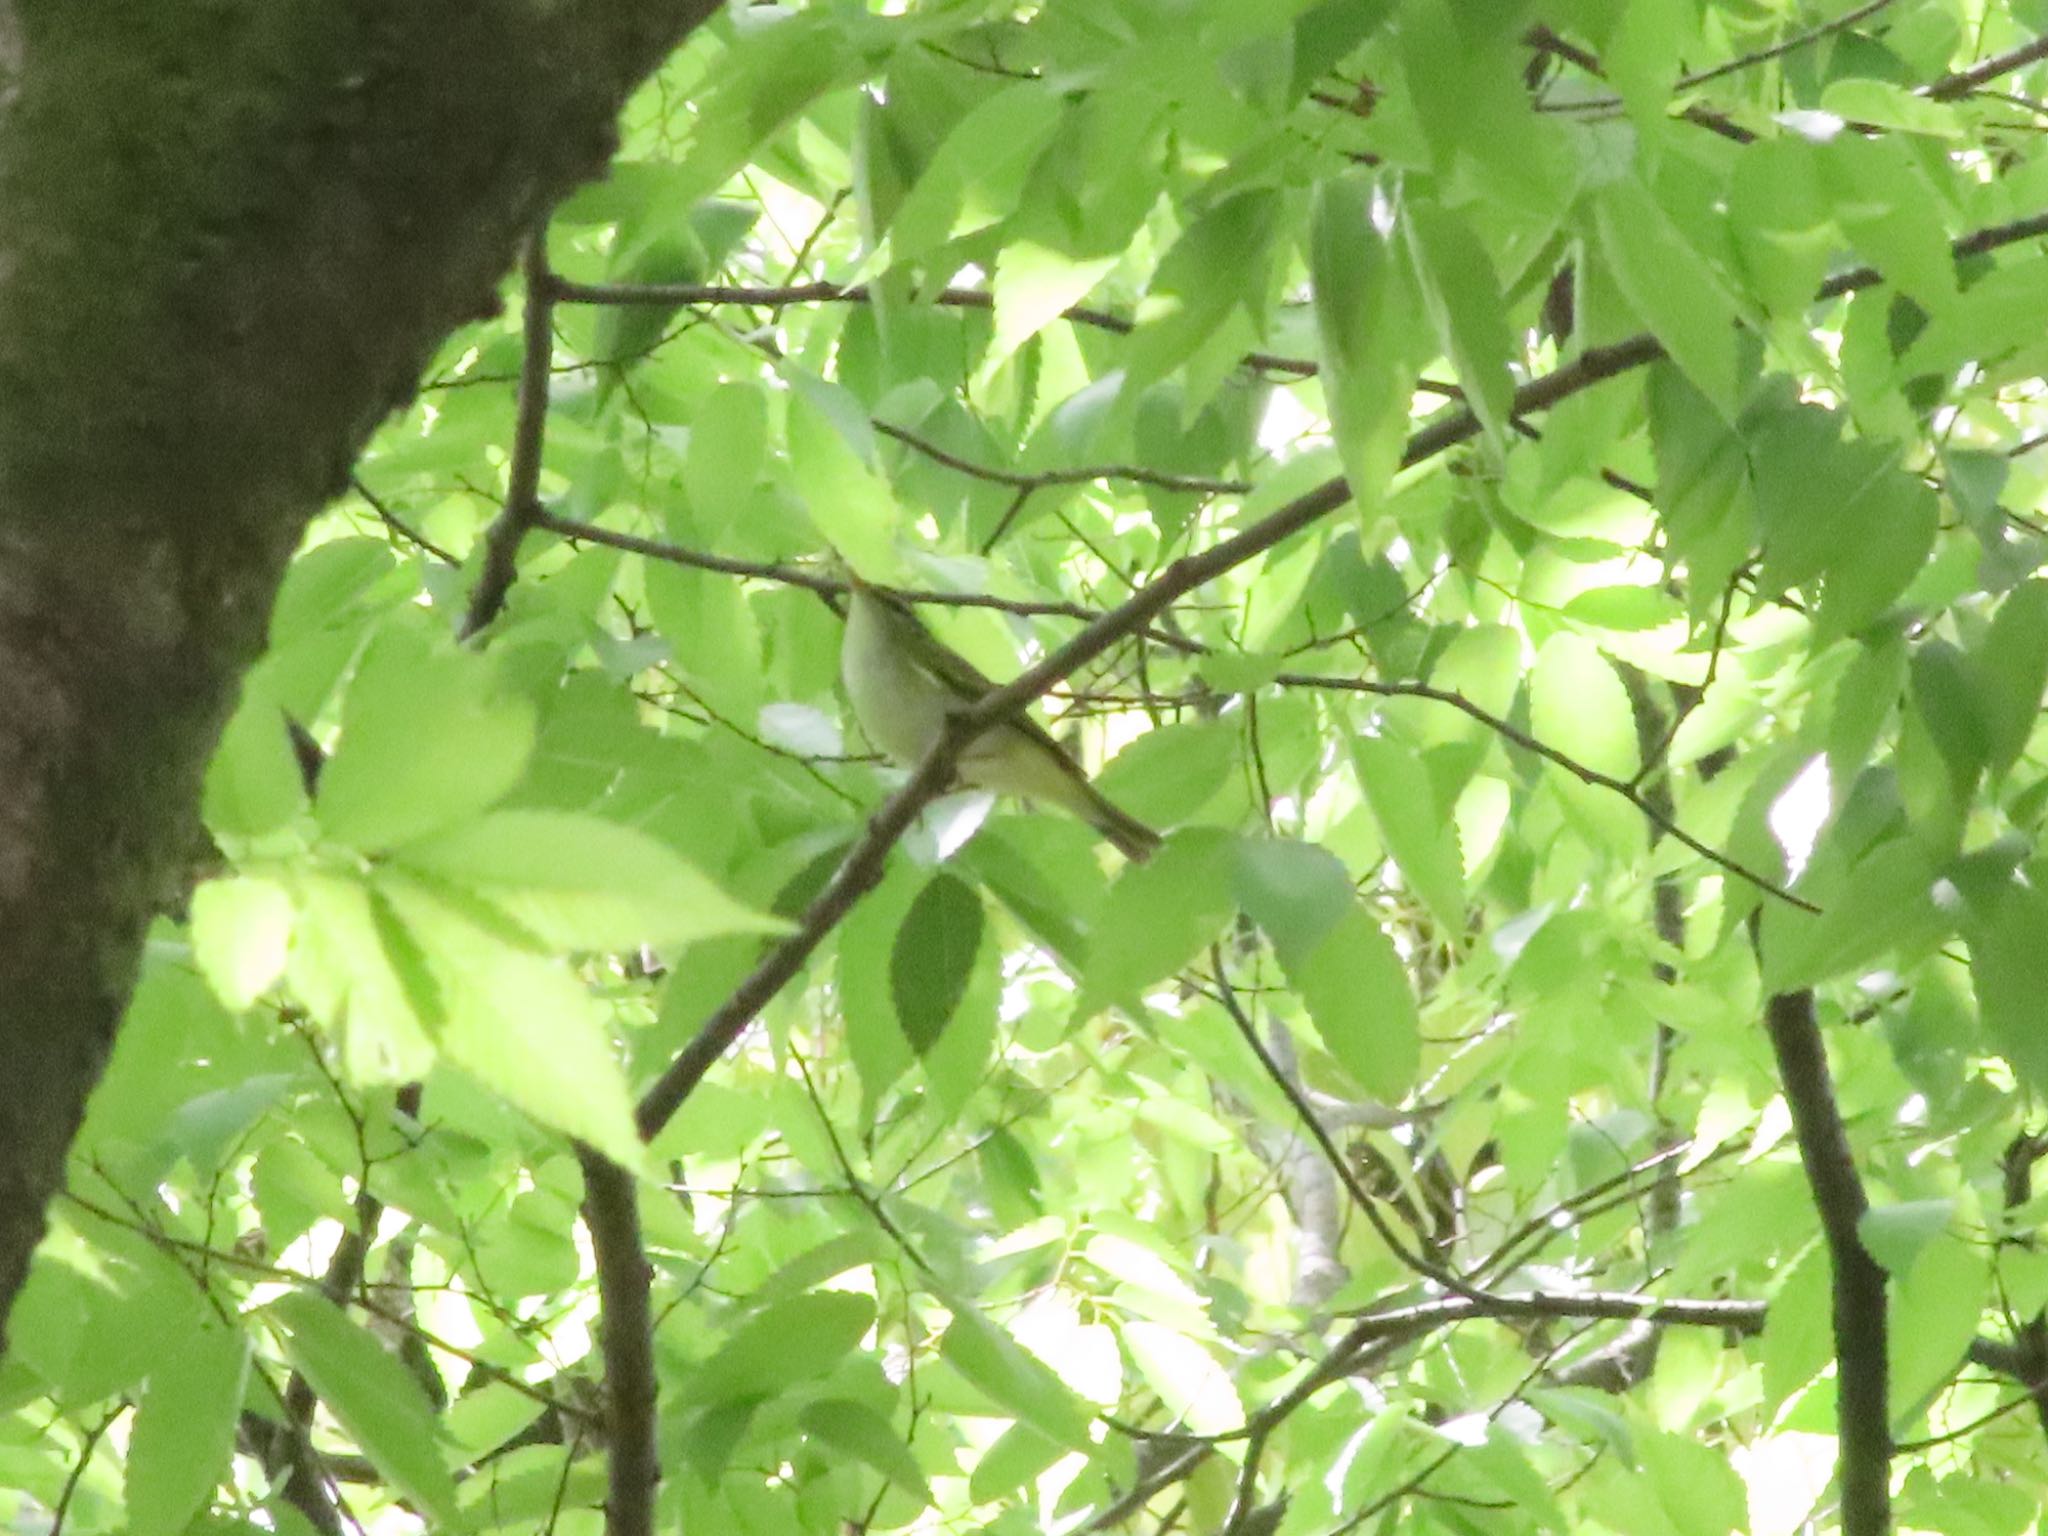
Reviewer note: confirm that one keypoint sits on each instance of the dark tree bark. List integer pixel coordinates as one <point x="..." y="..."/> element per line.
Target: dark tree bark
<point x="232" y="233"/>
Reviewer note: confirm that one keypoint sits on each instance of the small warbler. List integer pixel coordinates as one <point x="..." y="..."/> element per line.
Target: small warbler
<point x="904" y="682"/>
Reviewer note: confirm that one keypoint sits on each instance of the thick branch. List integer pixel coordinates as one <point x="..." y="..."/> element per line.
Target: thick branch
<point x="612" y="1217"/>
<point x="1862" y="1417"/>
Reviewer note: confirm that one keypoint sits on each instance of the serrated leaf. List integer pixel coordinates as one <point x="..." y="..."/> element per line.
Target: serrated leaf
<point x="427" y="740"/>
<point x="1578" y="705"/>
<point x="1296" y="892"/>
<point x="1160" y="914"/>
<point x="933" y="957"/>
<point x="1167" y="775"/>
<point x="372" y="1396"/>
<point x="1416" y="831"/>
<point x="1000" y="1367"/>
<point x="241" y="935"/>
<point x="1672" y="287"/>
<point x="182" y="1441"/>
<point x="2012" y="669"/>
<point x="581" y="882"/>
<point x="1363" y="326"/>
<point x="780" y="1346"/>
<point x="1463" y="294"/>
<point x="520" y="1023"/>
<point x="1192" y="1384"/>
<point x="1895" y="1234"/>
<point x="1358" y="993"/>
<point x="859" y="1431"/>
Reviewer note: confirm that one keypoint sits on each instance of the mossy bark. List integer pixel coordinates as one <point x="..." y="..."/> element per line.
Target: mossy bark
<point x="232" y="233"/>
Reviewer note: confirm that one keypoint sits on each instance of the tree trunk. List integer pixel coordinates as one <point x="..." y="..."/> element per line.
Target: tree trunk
<point x="232" y="233"/>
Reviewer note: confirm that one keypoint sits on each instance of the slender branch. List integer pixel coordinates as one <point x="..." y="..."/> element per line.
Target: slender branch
<point x="1964" y="81"/>
<point x="522" y="509"/>
<point x="831" y="587"/>
<point x="1033" y="480"/>
<point x="1732" y="66"/>
<point x="1862" y="1418"/>
<point x="612" y="1218"/>
<point x="857" y="874"/>
<point x="1341" y="1165"/>
<point x="1792" y="44"/>
<point x="784" y="295"/>
<point x="86" y="1446"/>
<point x="397" y="524"/>
<point x="1643" y="803"/>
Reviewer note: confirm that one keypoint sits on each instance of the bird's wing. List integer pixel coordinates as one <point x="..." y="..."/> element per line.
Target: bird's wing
<point x="961" y="677"/>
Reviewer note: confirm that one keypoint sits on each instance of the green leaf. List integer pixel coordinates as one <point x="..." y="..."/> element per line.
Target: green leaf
<point x="1700" y="1493"/>
<point x="1463" y="294"/>
<point x="1679" y="296"/>
<point x="520" y="1023"/>
<point x="875" y="1037"/>
<point x="1895" y="1234"/>
<point x="182" y="1440"/>
<point x="1886" y="898"/>
<point x="1034" y="285"/>
<point x="831" y="450"/>
<point x="2005" y="923"/>
<point x="1938" y="1309"/>
<point x="1192" y="1384"/>
<point x="861" y="1432"/>
<point x="1020" y="1383"/>
<point x="362" y="979"/>
<point x="1578" y="705"/>
<point x="1160" y="915"/>
<point x="1357" y="991"/>
<point x="776" y="71"/>
<point x="1167" y="775"/>
<point x="2012" y="673"/>
<point x="781" y="1346"/>
<point x="241" y="934"/>
<point x="253" y="784"/>
<point x="933" y="957"/>
<point x="373" y="1398"/>
<point x="728" y="450"/>
<point x="1363" y="323"/>
<point x="427" y="739"/>
<point x="580" y="882"/>
<point x="976" y="175"/>
<point x="1216" y="265"/>
<point x="1019" y="1454"/>
<point x="1295" y="892"/>
<point x="1417" y="832"/>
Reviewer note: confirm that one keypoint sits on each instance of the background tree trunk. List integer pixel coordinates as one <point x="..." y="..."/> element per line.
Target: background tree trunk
<point x="231" y="235"/>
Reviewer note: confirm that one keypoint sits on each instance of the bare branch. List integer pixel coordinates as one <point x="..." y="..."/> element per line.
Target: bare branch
<point x="1862" y="1419"/>
<point x="612" y="1217"/>
<point x="522" y="510"/>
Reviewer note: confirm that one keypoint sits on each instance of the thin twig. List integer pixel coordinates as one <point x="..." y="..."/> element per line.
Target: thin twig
<point x="522" y="509"/>
<point x="1032" y="480"/>
<point x="1584" y="773"/>
<point x="86" y="1447"/>
<point x="1964" y="81"/>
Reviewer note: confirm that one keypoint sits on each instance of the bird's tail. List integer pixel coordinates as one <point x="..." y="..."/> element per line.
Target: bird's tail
<point x="1128" y="835"/>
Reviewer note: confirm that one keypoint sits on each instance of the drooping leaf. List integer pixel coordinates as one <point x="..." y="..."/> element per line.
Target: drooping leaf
<point x="373" y="1397"/>
<point x="183" y="1436"/>
<point x="933" y="957"/>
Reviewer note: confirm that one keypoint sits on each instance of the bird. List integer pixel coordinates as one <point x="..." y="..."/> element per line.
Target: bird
<point x="904" y="682"/>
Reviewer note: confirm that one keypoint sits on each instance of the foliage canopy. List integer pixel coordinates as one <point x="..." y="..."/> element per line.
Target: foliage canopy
<point x="1537" y="500"/>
